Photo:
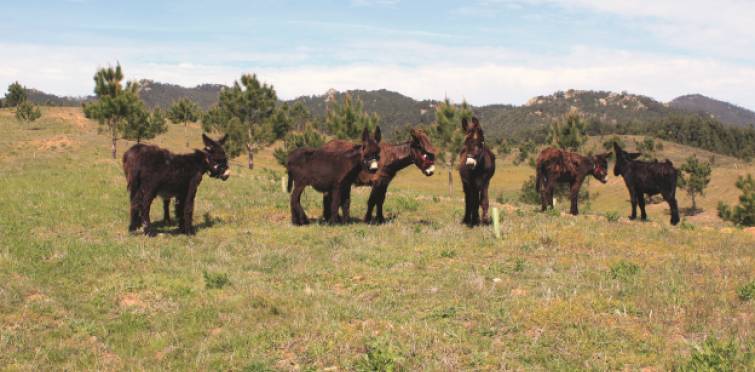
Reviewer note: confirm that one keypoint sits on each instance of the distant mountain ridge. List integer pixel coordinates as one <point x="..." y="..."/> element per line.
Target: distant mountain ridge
<point x="722" y="111"/>
<point x="398" y="111"/>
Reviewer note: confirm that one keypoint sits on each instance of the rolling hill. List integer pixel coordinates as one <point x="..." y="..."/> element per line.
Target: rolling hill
<point x="722" y="111"/>
<point x="397" y="111"/>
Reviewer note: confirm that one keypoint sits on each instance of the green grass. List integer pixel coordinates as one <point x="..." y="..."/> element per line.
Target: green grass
<point x="251" y="292"/>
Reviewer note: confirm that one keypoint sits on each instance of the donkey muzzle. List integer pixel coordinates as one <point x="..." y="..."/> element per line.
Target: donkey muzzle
<point x="373" y="166"/>
<point x="429" y="170"/>
<point x="471" y="162"/>
<point x="225" y="174"/>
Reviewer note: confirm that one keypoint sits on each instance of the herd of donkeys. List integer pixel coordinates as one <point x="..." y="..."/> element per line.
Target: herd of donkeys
<point x="333" y="168"/>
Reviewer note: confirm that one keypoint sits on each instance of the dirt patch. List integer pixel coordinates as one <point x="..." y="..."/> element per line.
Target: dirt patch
<point x="132" y="300"/>
<point x="52" y="144"/>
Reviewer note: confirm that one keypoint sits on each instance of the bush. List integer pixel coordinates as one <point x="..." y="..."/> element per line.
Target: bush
<point x="624" y="270"/>
<point x="744" y="213"/>
<point x="612" y="216"/>
<point x="216" y="280"/>
<point x="715" y="355"/>
<point x="380" y="355"/>
<point x="528" y="193"/>
<point x="747" y="291"/>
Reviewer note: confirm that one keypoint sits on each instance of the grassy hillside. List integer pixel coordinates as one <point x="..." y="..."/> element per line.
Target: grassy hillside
<point x="252" y="292"/>
<point x="723" y="111"/>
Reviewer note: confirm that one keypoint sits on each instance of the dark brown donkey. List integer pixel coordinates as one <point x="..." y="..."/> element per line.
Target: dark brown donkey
<point x="393" y="158"/>
<point x="556" y="166"/>
<point x="329" y="172"/>
<point x="152" y="171"/>
<point x="647" y="178"/>
<point x="476" y="168"/>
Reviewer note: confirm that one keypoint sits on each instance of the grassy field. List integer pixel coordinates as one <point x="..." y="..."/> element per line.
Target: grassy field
<point x="251" y="292"/>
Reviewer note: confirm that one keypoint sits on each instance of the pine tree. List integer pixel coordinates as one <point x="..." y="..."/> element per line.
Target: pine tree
<point x="309" y="137"/>
<point x="281" y="121"/>
<point x="16" y="94"/>
<point x="744" y="213"/>
<point x="243" y="113"/>
<point x="696" y="180"/>
<point x="184" y="111"/>
<point x="114" y="104"/>
<point x="568" y="133"/>
<point x="447" y="134"/>
<point x="347" y="119"/>
<point x="27" y="112"/>
<point x="142" y="125"/>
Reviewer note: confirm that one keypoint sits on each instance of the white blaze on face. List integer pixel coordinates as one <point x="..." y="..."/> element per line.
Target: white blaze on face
<point x="430" y="170"/>
<point x="373" y="164"/>
<point x="471" y="162"/>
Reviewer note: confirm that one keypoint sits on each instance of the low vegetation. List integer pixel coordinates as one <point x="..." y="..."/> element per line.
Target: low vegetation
<point x="252" y="292"/>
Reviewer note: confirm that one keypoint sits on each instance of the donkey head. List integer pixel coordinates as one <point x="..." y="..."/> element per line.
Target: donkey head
<point x="423" y="152"/>
<point x="474" y="142"/>
<point x="215" y="157"/>
<point x="600" y="166"/>
<point x="622" y="159"/>
<point x="370" y="150"/>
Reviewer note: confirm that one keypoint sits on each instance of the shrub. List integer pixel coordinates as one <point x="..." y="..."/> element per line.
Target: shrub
<point x="612" y="216"/>
<point x="380" y="355"/>
<point x="715" y="355"/>
<point x="744" y="213"/>
<point x="216" y="280"/>
<point x="624" y="270"/>
<point x="528" y="194"/>
<point x="747" y="291"/>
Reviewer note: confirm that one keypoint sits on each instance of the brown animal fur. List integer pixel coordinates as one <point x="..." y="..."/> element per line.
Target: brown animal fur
<point x="393" y="158"/>
<point x="559" y="166"/>
<point x="329" y="171"/>
<point x="151" y="171"/>
<point x="476" y="168"/>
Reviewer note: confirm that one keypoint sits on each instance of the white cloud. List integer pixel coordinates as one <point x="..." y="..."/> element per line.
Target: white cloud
<point x="723" y="27"/>
<point x="506" y="76"/>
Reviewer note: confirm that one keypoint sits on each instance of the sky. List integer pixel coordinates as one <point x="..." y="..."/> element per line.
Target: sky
<point x="481" y="51"/>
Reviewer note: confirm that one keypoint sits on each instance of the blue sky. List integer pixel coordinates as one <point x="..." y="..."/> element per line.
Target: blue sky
<point x="484" y="51"/>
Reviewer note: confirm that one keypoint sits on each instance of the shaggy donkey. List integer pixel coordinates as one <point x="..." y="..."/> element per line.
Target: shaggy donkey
<point x="560" y="166"/>
<point x="476" y="168"/>
<point x="152" y="171"/>
<point x="393" y="158"/>
<point x="329" y="171"/>
<point x="647" y="177"/>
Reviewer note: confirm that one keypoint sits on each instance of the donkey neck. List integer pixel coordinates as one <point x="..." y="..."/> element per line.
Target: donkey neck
<point x="192" y="162"/>
<point x="397" y="157"/>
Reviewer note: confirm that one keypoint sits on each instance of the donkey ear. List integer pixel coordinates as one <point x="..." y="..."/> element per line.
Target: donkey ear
<point x="208" y="142"/>
<point x="617" y="148"/>
<point x="475" y="122"/>
<point x="633" y="155"/>
<point x="378" y="135"/>
<point x="413" y="133"/>
<point x="222" y="140"/>
<point x="464" y="124"/>
<point x="365" y="134"/>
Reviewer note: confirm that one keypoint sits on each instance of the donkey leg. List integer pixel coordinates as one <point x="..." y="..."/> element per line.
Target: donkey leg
<point x="381" y="191"/>
<point x="134" y="207"/>
<point x="335" y="203"/>
<point x="144" y="211"/>
<point x="166" y="211"/>
<point x="671" y="200"/>
<point x="475" y="207"/>
<point x="298" y="217"/>
<point x="188" y="214"/>
<point x="326" y="200"/>
<point x="346" y="203"/>
<point x="574" y="199"/>
<point x="633" y="197"/>
<point x="178" y="209"/>
<point x="467" y="204"/>
<point x="641" y="203"/>
<point x="371" y="204"/>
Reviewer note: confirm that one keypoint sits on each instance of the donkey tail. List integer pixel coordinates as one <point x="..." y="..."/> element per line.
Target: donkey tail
<point x="290" y="182"/>
<point x="539" y="177"/>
